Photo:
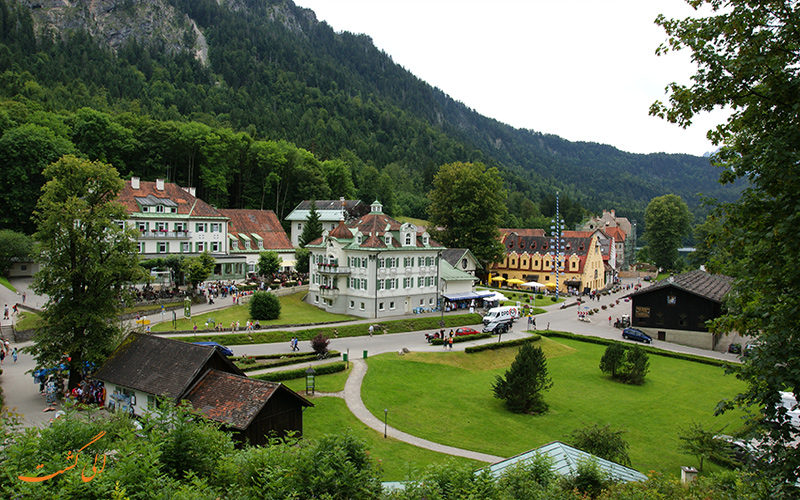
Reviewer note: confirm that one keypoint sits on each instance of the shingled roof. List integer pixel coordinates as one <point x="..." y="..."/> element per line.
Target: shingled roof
<point x="234" y="400"/>
<point x="710" y="286"/>
<point x="156" y="365"/>
<point x="263" y="223"/>
<point x="172" y="195"/>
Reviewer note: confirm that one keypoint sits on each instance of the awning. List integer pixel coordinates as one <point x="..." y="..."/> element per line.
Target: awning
<point x="466" y="295"/>
<point x="533" y="284"/>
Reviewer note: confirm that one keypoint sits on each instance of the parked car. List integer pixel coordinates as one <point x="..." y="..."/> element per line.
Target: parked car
<point x="466" y="331"/>
<point x="749" y="347"/>
<point x="497" y="327"/>
<point x="225" y="351"/>
<point x="735" y="348"/>
<point x="636" y="334"/>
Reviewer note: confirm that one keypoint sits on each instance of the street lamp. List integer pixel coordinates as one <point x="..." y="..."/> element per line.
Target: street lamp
<point x="385" y="418"/>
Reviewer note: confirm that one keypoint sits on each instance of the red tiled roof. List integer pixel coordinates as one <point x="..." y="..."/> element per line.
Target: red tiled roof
<point x="231" y="399"/>
<point x="341" y="232"/>
<point x="187" y="204"/>
<point x="375" y="223"/>
<point x="522" y="232"/>
<point x="577" y="234"/>
<point x="616" y="232"/>
<point x="261" y="222"/>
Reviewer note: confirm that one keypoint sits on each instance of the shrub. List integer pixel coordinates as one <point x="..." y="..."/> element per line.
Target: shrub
<point x="500" y="345"/>
<point x="553" y="299"/>
<point x="320" y="344"/>
<point x="301" y="372"/>
<point x="628" y="365"/>
<point x="603" y="442"/>
<point x="539" y="296"/>
<point x="264" y="305"/>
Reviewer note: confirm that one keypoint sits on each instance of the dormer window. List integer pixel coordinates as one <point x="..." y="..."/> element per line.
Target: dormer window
<point x="425" y="240"/>
<point x="359" y="239"/>
<point x="160" y="209"/>
<point x="388" y="239"/>
<point x="522" y="244"/>
<point x="533" y="245"/>
<point x="408" y="239"/>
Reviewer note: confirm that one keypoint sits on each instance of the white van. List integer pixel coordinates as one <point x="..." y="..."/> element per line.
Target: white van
<point x="504" y="313"/>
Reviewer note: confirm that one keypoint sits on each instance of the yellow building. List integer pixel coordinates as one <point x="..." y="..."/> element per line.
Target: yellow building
<point x="531" y="258"/>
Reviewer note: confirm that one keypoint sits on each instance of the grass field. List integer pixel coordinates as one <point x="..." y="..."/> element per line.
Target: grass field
<point x="4" y="281"/>
<point x="293" y="311"/>
<point x="397" y="459"/>
<point x="447" y="398"/>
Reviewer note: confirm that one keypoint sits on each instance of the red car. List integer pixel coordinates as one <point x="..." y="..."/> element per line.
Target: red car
<point x="466" y="331"/>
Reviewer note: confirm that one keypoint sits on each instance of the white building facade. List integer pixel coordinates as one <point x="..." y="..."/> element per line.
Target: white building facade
<point x="375" y="267"/>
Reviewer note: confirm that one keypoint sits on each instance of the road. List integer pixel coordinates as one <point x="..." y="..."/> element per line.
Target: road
<point x="21" y="393"/>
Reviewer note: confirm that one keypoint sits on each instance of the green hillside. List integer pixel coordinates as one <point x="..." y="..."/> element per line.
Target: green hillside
<point x="284" y="109"/>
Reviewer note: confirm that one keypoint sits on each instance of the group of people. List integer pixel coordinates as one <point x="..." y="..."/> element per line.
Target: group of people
<point x="89" y="392"/>
<point x="5" y="351"/>
<point x="293" y="344"/>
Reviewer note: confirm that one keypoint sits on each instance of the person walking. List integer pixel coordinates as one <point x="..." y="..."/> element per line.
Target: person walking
<point x="5" y="312"/>
<point x="450" y="342"/>
<point x="14" y="355"/>
<point x="371" y="330"/>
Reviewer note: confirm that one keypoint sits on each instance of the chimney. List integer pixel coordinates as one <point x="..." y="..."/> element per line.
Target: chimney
<point x="190" y="190"/>
<point x="160" y="184"/>
<point x="135" y="182"/>
<point x="614" y="214"/>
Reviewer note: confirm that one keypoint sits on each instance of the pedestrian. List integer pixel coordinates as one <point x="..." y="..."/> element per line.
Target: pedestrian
<point x="14" y="309"/>
<point x="5" y="312"/>
<point x="533" y="322"/>
<point x="24" y="296"/>
<point x="450" y="342"/>
<point x="371" y="329"/>
<point x="237" y="325"/>
<point x="14" y="355"/>
<point x="210" y="298"/>
<point x="2" y="356"/>
<point x="195" y="328"/>
<point x="609" y="321"/>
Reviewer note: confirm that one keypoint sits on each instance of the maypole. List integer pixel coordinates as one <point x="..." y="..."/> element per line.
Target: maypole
<point x="557" y="245"/>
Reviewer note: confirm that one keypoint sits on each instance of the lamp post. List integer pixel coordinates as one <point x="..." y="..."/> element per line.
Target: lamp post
<point x="385" y="419"/>
<point x="310" y="382"/>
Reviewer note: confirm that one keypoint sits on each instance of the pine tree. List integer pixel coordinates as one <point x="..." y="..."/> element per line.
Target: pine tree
<point x="525" y="381"/>
<point x="313" y="228"/>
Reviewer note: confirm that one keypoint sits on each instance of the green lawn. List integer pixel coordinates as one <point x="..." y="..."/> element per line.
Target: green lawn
<point x="456" y="389"/>
<point x="4" y="281"/>
<point x="398" y="460"/>
<point x="293" y="311"/>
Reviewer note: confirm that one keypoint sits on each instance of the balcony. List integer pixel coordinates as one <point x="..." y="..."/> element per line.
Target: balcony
<point x="160" y="235"/>
<point x="332" y="270"/>
<point x="328" y="291"/>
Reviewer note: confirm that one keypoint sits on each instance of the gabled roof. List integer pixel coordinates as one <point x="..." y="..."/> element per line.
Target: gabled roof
<point x="454" y="255"/>
<point x="172" y="195"/>
<point x="449" y="273"/>
<point x="341" y="232"/>
<point x="615" y="232"/>
<point x="521" y="232"/>
<point x="328" y="210"/>
<point x="156" y="365"/>
<point x="565" y="460"/>
<point x="234" y="400"/>
<point x="713" y="287"/>
<point x="541" y="244"/>
<point x="258" y="224"/>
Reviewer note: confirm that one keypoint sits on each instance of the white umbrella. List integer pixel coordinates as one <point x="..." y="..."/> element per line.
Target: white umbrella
<point x="533" y="284"/>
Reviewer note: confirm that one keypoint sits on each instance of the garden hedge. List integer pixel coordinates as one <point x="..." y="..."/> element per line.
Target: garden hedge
<point x="464" y="338"/>
<point x="280" y="360"/>
<point x="500" y="345"/>
<point x="649" y="349"/>
<point x="301" y="372"/>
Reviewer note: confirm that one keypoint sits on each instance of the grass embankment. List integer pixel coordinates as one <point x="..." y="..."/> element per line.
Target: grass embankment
<point x="330" y="415"/>
<point x="358" y="330"/>
<point x="293" y="311"/>
<point x="4" y="281"/>
<point x="455" y="389"/>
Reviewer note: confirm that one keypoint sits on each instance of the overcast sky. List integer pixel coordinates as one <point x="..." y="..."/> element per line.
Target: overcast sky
<point x="585" y="70"/>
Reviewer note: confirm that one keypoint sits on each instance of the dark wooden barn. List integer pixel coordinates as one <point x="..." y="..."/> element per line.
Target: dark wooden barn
<point x="683" y="302"/>
<point x="145" y="367"/>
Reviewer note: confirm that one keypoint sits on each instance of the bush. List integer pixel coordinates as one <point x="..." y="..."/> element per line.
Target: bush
<point x="626" y="364"/>
<point x="264" y="305"/>
<point x="603" y="442"/>
<point x="320" y="344"/>
<point x="539" y="296"/>
<point x="553" y="299"/>
<point x="301" y="372"/>
<point x="501" y="345"/>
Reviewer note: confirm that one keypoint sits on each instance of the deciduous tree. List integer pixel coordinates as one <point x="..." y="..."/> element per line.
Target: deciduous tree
<point x="468" y="203"/>
<point x="13" y="245"/>
<point x="602" y="441"/>
<point x="747" y="56"/>
<point x="668" y="221"/>
<point x="88" y="259"/>
<point x="269" y="263"/>
<point x="198" y="269"/>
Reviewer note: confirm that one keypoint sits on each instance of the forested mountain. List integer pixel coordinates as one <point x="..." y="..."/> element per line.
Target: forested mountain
<point x="259" y="105"/>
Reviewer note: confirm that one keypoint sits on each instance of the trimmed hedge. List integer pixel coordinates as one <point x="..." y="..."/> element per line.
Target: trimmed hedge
<point x="290" y="359"/>
<point x="648" y="349"/>
<point x="301" y="372"/>
<point x="358" y="330"/>
<point x="464" y="338"/>
<point x="500" y="345"/>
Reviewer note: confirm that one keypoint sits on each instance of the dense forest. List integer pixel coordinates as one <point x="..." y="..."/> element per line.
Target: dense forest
<point x="285" y="109"/>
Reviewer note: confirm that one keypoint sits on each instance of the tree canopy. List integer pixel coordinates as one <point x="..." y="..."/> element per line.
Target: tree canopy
<point x="269" y="263"/>
<point x="312" y="228"/>
<point x="467" y="202"/>
<point x="88" y="257"/>
<point x="668" y="221"/>
<point x="747" y="54"/>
